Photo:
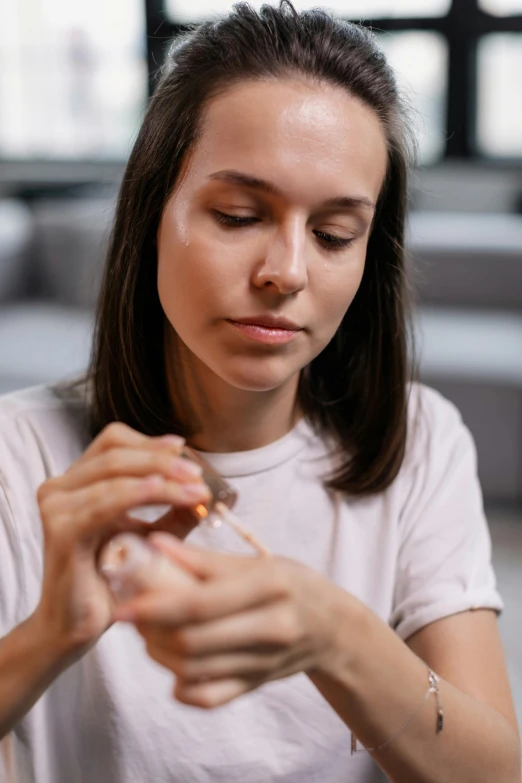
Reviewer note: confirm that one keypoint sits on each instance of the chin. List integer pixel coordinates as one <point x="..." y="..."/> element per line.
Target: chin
<point x="259" y="376"/>
<point x="253" y="383"/>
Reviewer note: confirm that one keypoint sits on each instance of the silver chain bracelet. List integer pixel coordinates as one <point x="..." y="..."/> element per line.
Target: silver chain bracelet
<point x="433" y="688"/>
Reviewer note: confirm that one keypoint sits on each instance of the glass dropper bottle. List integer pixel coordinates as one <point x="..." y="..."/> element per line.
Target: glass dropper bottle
<point x="129" y="564"/>
<point x="215" y="513"/>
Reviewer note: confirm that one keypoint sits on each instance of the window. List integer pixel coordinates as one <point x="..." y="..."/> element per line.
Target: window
<point x="499" y="109"/>
<point x="502" y="7"/>
<point x="186" y="11"/>
<point x="420" y="61"/>
<point x="73" y="78"/>
<point x="451" y="56"/>
<point x="419" y="57"/>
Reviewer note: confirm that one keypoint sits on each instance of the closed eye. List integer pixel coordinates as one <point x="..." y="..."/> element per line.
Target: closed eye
<point x="331" y="242"/>
<point x="328" y="241"/>
<point x="234" y="220"/>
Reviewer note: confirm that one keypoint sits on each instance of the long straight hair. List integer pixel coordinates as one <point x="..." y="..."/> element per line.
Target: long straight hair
<point x="355" y="391"/>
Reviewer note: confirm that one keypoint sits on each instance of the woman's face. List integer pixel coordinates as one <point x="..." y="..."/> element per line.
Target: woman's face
<point x="261" y="247"/>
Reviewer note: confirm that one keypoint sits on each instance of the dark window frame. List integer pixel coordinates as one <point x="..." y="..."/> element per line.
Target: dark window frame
<point x="461" y="27"/>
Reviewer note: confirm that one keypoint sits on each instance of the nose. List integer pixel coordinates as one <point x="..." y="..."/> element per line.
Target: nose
<point x="284" y="266"/>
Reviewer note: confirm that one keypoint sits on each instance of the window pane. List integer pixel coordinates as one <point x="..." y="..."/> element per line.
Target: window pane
<point x="499" y="120"/>
<point x="73" y="78"/>
<point x="193" y="10"/>
<point x="420" y="62"/>
<point x="502" y="7"/>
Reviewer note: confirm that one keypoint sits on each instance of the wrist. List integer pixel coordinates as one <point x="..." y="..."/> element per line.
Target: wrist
<point x="59" y="650"/>
<point x="30" y="661"/>
<point x="348" y="624"/>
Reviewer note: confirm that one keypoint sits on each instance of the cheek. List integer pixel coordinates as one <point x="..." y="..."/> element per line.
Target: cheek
<point x="187" y="275"/>
<point x="179" y="288"/>
<point x="196" y="261"/>
<point x="338" y="285"/>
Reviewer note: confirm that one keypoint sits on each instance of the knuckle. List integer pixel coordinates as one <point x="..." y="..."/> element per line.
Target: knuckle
<point x="110" y="498"/>
<point x="278" y="578"/>
<point x="59" y="538"/>
<point x="46" y="489"/>
<point x="114" y="433"/>
<point x="206" y="699"/>
<point x="57" y="530"/>
<point x="154" y="650"/>
<point x="50" y="508"/>
<point x="185" y="668"/>
<point x="195" y="608"/>
<point x="99" y="495"/>
<point x="46" y="511"/>
<point x="286" y="627"/>
<point x="99" y="501"/>
<point x="272" y="663"/>
<point x="123" y="487"/>
<point x="41" y="493"/>
<point x="160" y="462"/>
<point x="185" y="643"/>
<point x="111" y="462"/>
<point x="52" y="524"/>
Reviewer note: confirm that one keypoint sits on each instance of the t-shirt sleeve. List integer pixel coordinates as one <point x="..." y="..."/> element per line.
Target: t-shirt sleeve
<point x="444" y="559"/>
<point x="12" y="589"/>
<point x="21" y="472"/>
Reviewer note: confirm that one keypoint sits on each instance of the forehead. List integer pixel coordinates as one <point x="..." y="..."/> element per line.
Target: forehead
<point x="310" y="139"/>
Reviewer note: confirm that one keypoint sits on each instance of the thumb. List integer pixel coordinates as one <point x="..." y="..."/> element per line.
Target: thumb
<point x="202" y="563"/>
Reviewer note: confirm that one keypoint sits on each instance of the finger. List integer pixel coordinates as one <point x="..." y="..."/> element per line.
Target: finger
<point x="118" y="434"/>
<point x="249" y="663"/>
<point x="203" y="563"/>
<point x="130" y="462"/>
<point x="212" y="694"/>
<point x="89" y="510"/>
<point x="207" y="601"/>
<point x="269" y="627"/>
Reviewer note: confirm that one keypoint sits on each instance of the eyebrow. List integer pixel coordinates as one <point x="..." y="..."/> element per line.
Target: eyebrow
<point x="245" y="180"/>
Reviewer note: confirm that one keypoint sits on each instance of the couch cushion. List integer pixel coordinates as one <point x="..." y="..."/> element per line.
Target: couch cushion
<point x="71" y="237"/>
<point x="467" y="260"/>
<point x="16" y="229"/>
<point x="474" y="345"/>
<point x="41" y="342"/>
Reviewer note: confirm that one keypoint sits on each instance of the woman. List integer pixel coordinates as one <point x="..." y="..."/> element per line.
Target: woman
<point x="254" y="304"/>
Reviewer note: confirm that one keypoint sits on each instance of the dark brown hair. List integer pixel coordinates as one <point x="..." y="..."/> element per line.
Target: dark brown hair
<point x="356" y="389"/>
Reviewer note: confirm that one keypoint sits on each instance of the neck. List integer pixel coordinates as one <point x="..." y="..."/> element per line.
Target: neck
<point x="225" y="418"/>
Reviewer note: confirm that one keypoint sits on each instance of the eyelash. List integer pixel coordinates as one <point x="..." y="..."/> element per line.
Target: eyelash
<point x="329" y="241"/>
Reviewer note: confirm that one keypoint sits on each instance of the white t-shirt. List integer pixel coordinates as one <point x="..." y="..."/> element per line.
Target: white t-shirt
<point x="415" y="553"/>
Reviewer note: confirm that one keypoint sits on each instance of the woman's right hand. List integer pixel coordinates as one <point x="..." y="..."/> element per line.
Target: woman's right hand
<point x="84" y="507"/>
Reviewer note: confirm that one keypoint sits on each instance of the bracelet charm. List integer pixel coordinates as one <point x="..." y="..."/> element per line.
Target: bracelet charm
<point x="433" y="680"/>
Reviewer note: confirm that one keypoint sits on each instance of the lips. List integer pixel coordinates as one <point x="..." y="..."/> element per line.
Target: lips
<point x="270" y="330"/>
<point x="269" y="322"/>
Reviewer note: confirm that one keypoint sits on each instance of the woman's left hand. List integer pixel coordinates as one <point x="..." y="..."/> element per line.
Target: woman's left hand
<point x="243" y="622"/>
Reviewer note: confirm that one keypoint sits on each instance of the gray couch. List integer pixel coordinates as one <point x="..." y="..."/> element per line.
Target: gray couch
<point x="468" y="271"/>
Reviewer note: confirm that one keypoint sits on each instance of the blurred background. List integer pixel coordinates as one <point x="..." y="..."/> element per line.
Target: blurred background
<point x="74" y="81"/>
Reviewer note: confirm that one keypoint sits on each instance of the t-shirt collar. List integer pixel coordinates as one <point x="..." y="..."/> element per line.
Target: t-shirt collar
<point x="245" y="463"/>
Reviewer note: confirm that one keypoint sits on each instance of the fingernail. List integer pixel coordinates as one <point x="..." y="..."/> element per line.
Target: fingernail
<point x="173" y="440"/>
<point x="154" y="481"/>
<point x="185" y="469"/>
<point x="195" y="490"/>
